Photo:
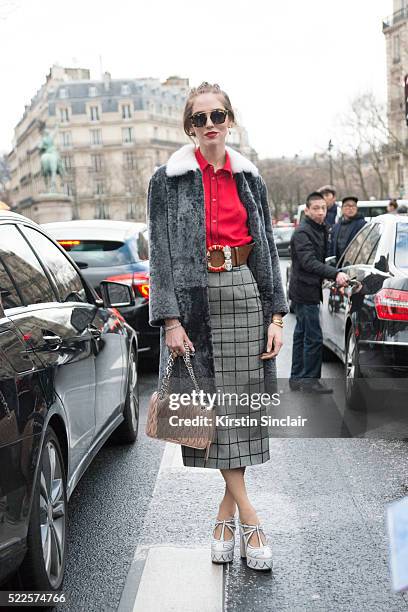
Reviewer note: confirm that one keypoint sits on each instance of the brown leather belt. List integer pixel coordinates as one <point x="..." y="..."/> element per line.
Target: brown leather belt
<point x="222" y="258"/>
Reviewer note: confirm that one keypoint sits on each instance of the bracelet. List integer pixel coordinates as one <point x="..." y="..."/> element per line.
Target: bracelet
<point x="172" y="326"/>
<point x="278" y="322"/>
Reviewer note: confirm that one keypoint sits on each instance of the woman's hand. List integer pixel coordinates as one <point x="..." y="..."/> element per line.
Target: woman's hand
<point x="275" y="341"/>
<point x="175" y="339"/>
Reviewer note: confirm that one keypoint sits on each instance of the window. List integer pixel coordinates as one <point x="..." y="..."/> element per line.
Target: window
<point x="401" y="246"/>
<point x="96" y="137"/>
<point x="130" y="184"/>
<point x="64" y="115"/>
<point x="9" y="297"/>
<point x="125" y="90"/>
<point x="68" y="163"/>
<point x="69" y="188"/>
<point x="354" y="247"/>
<point x="24" y="268"/>
<point x="97" y="162"/>
<point x="99" y="187"/>
<point x="126" y="112"/>
<point x="396" y="48"/>
<point x="92" y="92"/>
<point x="129" y="160"/>
<point x="66" y="139"/>
<point x="107" y="253"/>
<point x="94" y="113"/>
<point x="369" y="246"/>
<point x="155" y="132"/>
<point x="127" y="135"/>
<point x="69" y="284"/>
<point x="63" y="93"/>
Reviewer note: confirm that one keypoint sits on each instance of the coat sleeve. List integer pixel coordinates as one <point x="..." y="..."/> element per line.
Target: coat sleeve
<point x="279" y="304"/>
<point x="162" y="299"/>
<point x="307" y="257"/>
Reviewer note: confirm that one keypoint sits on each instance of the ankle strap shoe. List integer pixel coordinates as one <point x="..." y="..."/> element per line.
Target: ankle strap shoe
<point x="258" y="557"/>
<point x="222" y="550"/>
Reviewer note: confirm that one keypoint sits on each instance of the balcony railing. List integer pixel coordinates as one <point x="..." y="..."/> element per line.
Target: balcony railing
<point x="395" y="18"/>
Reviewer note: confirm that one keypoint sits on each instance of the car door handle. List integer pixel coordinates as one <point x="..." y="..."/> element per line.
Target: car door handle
<point x="53" y="342"/>
<point x="96" y="333"/>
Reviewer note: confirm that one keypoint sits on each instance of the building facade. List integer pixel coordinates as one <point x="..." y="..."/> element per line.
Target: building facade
<point x="395" y="29"/>
<point x="111" y="135"/>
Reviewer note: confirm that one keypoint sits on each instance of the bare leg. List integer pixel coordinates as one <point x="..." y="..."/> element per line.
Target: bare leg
<point x="226" y="510"/>
<point x="235" y="483"/>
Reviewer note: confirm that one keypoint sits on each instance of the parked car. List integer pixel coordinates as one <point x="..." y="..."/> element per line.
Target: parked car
<point x="366" y="325"/>
<point x="68" y="382"/>
<point x="117" y="251"/>
<point x="282" y="235"/>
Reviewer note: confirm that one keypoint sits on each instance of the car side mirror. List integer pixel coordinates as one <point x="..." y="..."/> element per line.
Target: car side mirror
<point x="331" y="261"/>
<point x="116" y="294"/>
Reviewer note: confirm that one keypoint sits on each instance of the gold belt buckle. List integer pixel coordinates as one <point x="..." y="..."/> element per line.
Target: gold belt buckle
<point x="227" y="265"/>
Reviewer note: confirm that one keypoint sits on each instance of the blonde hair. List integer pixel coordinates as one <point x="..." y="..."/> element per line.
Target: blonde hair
<point x="196" y="91"/>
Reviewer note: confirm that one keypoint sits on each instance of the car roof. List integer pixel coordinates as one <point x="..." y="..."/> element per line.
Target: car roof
<point x="88" y="229"/>
<point x="12" y="216"/>
<point x="391" y="218"/>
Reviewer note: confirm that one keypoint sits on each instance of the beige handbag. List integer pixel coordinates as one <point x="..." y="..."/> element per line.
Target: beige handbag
<point x="199" y="433"/>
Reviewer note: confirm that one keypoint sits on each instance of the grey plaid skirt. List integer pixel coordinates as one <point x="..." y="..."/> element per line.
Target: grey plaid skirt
<point x="238" y="339"/>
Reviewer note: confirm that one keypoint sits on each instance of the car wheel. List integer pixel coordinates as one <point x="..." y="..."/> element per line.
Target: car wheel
<point x="353" y="380"/>
<point x="44" y="564"/>
<point x="127" y="431"/>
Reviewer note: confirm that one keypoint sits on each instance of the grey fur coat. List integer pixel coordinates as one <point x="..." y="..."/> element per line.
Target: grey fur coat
<point x="178" y="264"/>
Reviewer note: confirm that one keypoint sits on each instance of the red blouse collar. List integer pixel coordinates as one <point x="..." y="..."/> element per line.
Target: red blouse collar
<point x="203" y="163"/>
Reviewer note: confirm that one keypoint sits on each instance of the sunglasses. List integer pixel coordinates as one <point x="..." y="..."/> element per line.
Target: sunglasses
<point x="217" y="117"/>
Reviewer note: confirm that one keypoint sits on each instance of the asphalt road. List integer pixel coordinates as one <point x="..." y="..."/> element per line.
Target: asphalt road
<point x="321" y="501"/>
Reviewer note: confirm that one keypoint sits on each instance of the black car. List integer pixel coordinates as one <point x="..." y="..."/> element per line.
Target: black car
<point x="68" y="382"/>
<point x="366" y="324"/>
<point x="115" y="250"/>
<point x="282" y="235"/>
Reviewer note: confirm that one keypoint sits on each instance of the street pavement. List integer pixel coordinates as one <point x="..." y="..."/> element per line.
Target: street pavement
<point x="140" y="525"/>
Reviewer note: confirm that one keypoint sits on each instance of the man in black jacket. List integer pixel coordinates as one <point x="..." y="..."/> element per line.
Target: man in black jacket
<point x="349" y="225"/>
<point x="308" y="253"/>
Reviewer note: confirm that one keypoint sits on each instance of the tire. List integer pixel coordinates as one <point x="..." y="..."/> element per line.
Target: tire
<point x="353" y="382"/>
<point x="127" y="431"/>
<point x="46" y="537"/>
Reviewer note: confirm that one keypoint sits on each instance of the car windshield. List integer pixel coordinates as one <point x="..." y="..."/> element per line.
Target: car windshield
<point x="101" y="253"/>
<point x="372" y="211"/>
<point x="401" y="245"/>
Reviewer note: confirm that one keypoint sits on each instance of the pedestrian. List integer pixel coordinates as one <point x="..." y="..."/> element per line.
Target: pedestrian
<point x="230" y="316"/>
<point x="347" y="227"/>
<point x="308" y="251"/>
<point x="392" y="207"/>
<point x="329" y="194"/>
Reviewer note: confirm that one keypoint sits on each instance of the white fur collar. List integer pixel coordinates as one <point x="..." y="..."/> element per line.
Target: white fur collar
<point x="184" y="160"/>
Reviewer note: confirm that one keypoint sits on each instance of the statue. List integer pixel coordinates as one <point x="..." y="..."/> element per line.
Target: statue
<point x="51" y="162"/>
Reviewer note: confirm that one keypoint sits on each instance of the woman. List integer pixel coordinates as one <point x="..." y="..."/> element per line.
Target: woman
<point x="229" y="316"/>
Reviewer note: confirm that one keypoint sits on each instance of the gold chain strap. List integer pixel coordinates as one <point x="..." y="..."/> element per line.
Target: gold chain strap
<point x="169" y="368"/>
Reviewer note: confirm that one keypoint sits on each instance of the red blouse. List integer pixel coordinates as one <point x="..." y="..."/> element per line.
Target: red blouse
<point x="225" y="215"/>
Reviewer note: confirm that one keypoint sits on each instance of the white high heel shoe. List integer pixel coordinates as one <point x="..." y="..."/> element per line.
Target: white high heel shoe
<point x="222" y="551"/>
<point x="258" y="557"/>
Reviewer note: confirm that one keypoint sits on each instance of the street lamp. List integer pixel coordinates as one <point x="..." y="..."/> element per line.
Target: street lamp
<point x="329" y="148"/>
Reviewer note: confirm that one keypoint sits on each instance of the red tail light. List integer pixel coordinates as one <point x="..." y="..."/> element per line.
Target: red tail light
<point x="392" y="304"/>
<point x="138" y="280"/>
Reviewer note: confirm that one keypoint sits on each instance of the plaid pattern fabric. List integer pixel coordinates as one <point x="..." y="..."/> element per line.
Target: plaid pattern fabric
<point x="238" y="339"/>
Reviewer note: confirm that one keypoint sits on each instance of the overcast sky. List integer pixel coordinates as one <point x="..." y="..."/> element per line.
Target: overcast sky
<point x="290" y="68"/>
